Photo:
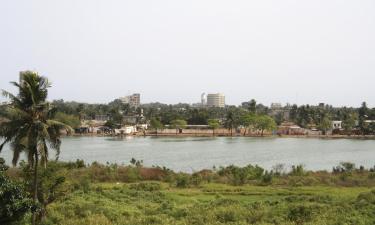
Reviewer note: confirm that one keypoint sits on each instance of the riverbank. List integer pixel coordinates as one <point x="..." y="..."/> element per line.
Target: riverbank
<point x="152" y="134"/>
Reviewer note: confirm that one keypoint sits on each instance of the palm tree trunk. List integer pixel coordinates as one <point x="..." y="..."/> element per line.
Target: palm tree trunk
<point x="35" y="185"/>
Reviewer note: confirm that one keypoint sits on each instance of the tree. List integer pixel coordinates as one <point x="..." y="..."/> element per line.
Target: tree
<point x="156" y="124"/>
<point x="362" y="117"/>
<point x="50" y="184"/>
<point x="198" y="117"/>
<point x="264" y="122"/>
<point x="29" y="127"/>
<point x="178" y="124"/>
<point x="349" y="123"/>
<point x="70" y="120"/>
<point x="248" y="121"/>
<point x="232" y="120"/>
<point x="325" y="125"/>
<point x="14" y="201"/>
<point x="213" y="124"/>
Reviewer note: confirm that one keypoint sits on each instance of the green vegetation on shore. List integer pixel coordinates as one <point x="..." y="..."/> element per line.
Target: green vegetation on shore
<point x="133" y="194"/>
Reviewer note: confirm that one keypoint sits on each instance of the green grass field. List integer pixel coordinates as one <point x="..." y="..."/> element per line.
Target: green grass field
<point x="159" y="203"/>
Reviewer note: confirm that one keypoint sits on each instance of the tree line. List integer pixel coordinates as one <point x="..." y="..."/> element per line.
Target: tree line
<point x="306" y="116"/>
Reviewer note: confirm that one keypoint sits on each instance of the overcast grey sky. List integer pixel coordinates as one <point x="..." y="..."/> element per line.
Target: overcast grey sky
<point x="304" y="51"/>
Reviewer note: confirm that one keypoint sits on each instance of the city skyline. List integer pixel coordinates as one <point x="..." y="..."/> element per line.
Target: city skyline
<point x="272" y="51"/>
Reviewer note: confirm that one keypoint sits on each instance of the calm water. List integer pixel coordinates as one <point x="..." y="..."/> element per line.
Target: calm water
<point x="194" y="153"/>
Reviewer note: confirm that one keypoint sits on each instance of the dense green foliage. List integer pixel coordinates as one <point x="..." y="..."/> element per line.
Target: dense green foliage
<point x="133" y="194"/>
<point x="306" y="116"/>
<point x="29" y="126"/>
<point x="14" y="202"/>
<point x="157" y="203"/>
<point x="70" y="120"/>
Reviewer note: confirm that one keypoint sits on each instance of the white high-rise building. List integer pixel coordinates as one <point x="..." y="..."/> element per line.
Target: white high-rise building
<point x="216" y="100"/>
<point x="203" y="99"/>
<point x="133" y="100"/>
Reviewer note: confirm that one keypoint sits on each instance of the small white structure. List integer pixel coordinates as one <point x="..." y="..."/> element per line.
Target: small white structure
<point x="369" y="121"/>
<point x="126" y="130"/>
<point x="337" y="125"/>
<point x="142" y="126"/>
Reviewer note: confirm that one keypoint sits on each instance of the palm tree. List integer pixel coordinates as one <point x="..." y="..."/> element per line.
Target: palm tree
<point x="28" y="126"/>
<point x="230" y="121"/>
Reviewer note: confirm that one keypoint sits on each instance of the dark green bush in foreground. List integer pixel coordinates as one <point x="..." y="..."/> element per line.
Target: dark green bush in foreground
<point x="14" y="201"/>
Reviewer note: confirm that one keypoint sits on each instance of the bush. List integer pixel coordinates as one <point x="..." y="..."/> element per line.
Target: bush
<point x="146" y="186"/>
<point x="300" y="214"/>
<point x="267" y="178"/>
<point x="298" y="170"/>
<point x="344" y="167"/>
<point x="227" y="215"/>
<point x="240" y="175"/>
<point x="182" y="181"/>
<point x="196" y="179"/>
<point x="368" y="197"/>
<point x="14" y="200"/>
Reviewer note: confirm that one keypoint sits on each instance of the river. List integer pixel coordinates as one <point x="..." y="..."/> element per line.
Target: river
<point x="195" y="153"/>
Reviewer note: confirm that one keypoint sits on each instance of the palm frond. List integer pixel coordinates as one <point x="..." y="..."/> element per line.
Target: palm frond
<point x="59" y="125"/>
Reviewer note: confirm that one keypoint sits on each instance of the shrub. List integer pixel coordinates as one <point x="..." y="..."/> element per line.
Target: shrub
<point x="146" y="186"/>
<point x="267" y="178"/>
<point x="14" y="201"/>
<point x="196" y="179"/>
<point x="368" y="197"/>
<point x="182" y="181"/>
<point x="227" y="215"/>
<point x="344" y="167"/>
<point x="298" y="170"/>
<point x="240" y="175"/>
<point x="300" y="214"/>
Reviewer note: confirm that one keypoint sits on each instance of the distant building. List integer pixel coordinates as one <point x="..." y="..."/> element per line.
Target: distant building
<point x="336" y="125"/>
<point x="203" y="99"/>
<point x="101" y="118"/>
<point x="369" y="122"/>
<point x="202" y="103"/>
<point x="216" y="100"/>
<point x="133" y="100"/>
<point x="276" y="106"/>
<point x="277" y="110"/>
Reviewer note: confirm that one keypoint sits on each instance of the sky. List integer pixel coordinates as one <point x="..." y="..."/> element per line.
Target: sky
<point x="171" y="51"/>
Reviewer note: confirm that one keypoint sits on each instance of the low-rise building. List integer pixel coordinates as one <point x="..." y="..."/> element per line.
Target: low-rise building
<point x="101" y="117"/>
<point x="336" y="125"/>
<point x="288" y="128"/>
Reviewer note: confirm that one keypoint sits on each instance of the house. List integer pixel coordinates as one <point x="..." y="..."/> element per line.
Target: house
<point x="288" y="128"/>
<point x="126" y="130"/>
<point x="130" y="119"/>
<point x="369" y="122"/>
<point x="336" y="125"/>
<point x="101" y="117"/>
